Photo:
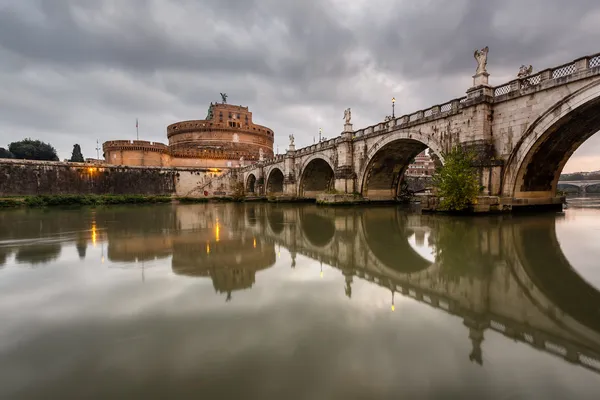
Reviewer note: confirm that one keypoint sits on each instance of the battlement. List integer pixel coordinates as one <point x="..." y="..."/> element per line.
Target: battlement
<point x="142" y="145"/>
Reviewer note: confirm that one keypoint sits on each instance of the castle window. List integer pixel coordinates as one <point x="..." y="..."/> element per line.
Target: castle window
<point x="230" y="115"/>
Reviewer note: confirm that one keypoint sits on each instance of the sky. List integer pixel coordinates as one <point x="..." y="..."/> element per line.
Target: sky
<point x="78" y="71"/>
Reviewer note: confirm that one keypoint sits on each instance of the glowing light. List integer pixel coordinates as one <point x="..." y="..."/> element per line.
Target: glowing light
<point x="102" y="260"/>
<point x="393" y="307"/>
<point x="254" y="244"/>
<point x="94" y="234"/>
<point x="207" y="248"/>
<point x="321" y="274"/>
<point x="217" y="231"/>
<point x="214" y="170"/>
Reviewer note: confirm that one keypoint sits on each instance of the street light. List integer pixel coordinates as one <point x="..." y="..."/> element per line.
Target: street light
<point x="393" y="106"/>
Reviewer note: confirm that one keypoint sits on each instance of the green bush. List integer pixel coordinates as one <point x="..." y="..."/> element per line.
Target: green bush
<point x="91" y="200"/>
<point x="456" y="181"/>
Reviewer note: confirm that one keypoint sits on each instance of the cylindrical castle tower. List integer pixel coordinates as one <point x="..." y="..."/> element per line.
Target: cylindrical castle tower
<point x="220" y="141"/>
<point x="226" y="135"/>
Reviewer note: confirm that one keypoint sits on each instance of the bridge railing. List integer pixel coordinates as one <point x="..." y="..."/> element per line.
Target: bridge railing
<point x="434" y="112"/>
<point x="568" y="69"/>
<point x="452" y="106"/>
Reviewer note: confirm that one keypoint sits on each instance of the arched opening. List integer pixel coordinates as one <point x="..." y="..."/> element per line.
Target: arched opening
<point x="540" y="254"/>
<point x="318" y="230"/>
<point x="386" y="168"/>
<point x="250" y="183"/>
<point x="317" y="177"/>
<point x="276" y="219"/>
<point x="387" y="236"/>
<point x="535" y="167"/>
<point x="275" y="181"/>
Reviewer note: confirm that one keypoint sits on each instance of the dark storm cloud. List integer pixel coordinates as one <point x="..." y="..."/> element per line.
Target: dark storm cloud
<point x="84" y="70"/>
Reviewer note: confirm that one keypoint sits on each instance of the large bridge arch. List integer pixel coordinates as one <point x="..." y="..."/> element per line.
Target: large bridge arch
<point x="387" y="160"/>
<point x="387" y="240"/>
<point x="534" y="166"/>
<point x="316" y="176"/>
<point x="274" y="183"/>
<point x="251" y="183"/>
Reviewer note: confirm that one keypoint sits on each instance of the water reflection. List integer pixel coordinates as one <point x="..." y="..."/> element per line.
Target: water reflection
<point x="499" y="275"/>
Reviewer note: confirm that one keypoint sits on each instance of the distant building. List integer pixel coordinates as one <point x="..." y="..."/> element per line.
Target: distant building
<point x="94" y="161"/>
<point x="422" y="166"/>
<point x="219" y="141"/>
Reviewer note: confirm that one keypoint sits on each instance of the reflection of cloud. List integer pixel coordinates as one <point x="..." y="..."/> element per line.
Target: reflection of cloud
<point x="278" y="338"/>
<point x="422" y="246"/>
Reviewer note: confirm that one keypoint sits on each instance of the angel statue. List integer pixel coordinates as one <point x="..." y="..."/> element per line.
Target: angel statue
<point x="524" y="71"/>
<point x="224" y="97"/>
<point x="347" y="115"/>
<point x="481" y="57"/>
<point x="291" y="140"/>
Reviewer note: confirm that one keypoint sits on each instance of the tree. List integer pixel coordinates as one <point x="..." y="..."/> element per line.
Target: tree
<point x="456" y="181"/>
<point x="76" y="156"/>
<point x="5" y="153"/>
<point x="33" y="150"/>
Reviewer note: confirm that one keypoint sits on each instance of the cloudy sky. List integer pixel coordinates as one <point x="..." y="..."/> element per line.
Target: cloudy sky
<point x="77" y="71"/>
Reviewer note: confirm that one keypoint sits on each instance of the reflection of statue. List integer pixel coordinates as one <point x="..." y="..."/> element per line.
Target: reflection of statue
<point x="224" y="97"/>
<point x="481" y="57"/>
<point x="524" y="71"/>
<point x="291" y="140"/>
<point x="347" y="115"/>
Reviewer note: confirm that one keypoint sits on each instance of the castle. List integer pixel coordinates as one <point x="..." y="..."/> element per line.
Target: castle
<point x="226" y="138"/>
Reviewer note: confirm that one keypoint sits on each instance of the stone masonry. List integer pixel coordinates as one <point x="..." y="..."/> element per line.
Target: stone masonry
<point x="523" y="132"/>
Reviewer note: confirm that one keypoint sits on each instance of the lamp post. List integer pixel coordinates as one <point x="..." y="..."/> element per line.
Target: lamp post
<point x="393" y="106"/>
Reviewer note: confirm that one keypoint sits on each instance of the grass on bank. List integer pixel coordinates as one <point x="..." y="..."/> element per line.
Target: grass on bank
<point x="79" y="200"/>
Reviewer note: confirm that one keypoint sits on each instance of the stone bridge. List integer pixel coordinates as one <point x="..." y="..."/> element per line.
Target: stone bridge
<point x="507" y="276"/>
<point x="579" y="186"/>
<point x="523" y="133"/>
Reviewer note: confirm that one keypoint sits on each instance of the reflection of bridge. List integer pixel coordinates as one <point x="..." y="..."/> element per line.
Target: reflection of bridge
<point x="505" y="275"/>
<point x="580" y="186"/>
<point x="523" y="133"/>
<point x="482" y="273"/>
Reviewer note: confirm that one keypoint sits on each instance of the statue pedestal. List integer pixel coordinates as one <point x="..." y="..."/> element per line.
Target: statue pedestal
<point x="348" y="127"/>
<point x="292" y="147"/>
<point x="481" y="79"/>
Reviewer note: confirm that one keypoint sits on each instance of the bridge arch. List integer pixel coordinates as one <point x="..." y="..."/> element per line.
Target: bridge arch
<point x="387" y="160"/>
<point x="251" y="183"/>
<point x="316" y="176"/>
<point x="534" y="166"/>
<point x="387" y="240"/>
<point x="274" y="183"/>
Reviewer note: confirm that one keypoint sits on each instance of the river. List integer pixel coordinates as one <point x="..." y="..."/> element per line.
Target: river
<point x="263" y="301"/>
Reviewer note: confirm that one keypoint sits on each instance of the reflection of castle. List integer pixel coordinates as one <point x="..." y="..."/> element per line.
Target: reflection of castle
<point x="221" y="140"/>
<point x="204" y="241"/>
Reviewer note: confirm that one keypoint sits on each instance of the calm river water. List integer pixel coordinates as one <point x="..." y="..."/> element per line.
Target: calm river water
<point x="261" y="301"/>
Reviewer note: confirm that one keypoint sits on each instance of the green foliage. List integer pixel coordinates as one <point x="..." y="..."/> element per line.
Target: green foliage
<point x="239" y="192"/>
<point x="458" y="248"/>
<point x="456" y="181"/>
<point x="405" y="194"/>
<point x="33" y="150"/>
<point x="578" y="176"/>
<point x="76" y="156"/>
<point x="5" y="153"/>
<point x="80" y="200"/>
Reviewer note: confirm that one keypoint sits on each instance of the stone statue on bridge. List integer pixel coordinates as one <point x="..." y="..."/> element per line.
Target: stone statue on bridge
<point x="481" y="57"/>
<point x="524" y="71"/>
<point x="291" y="140"/>
<point x="347" y="115"/>
<point x="261" y="154"/>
